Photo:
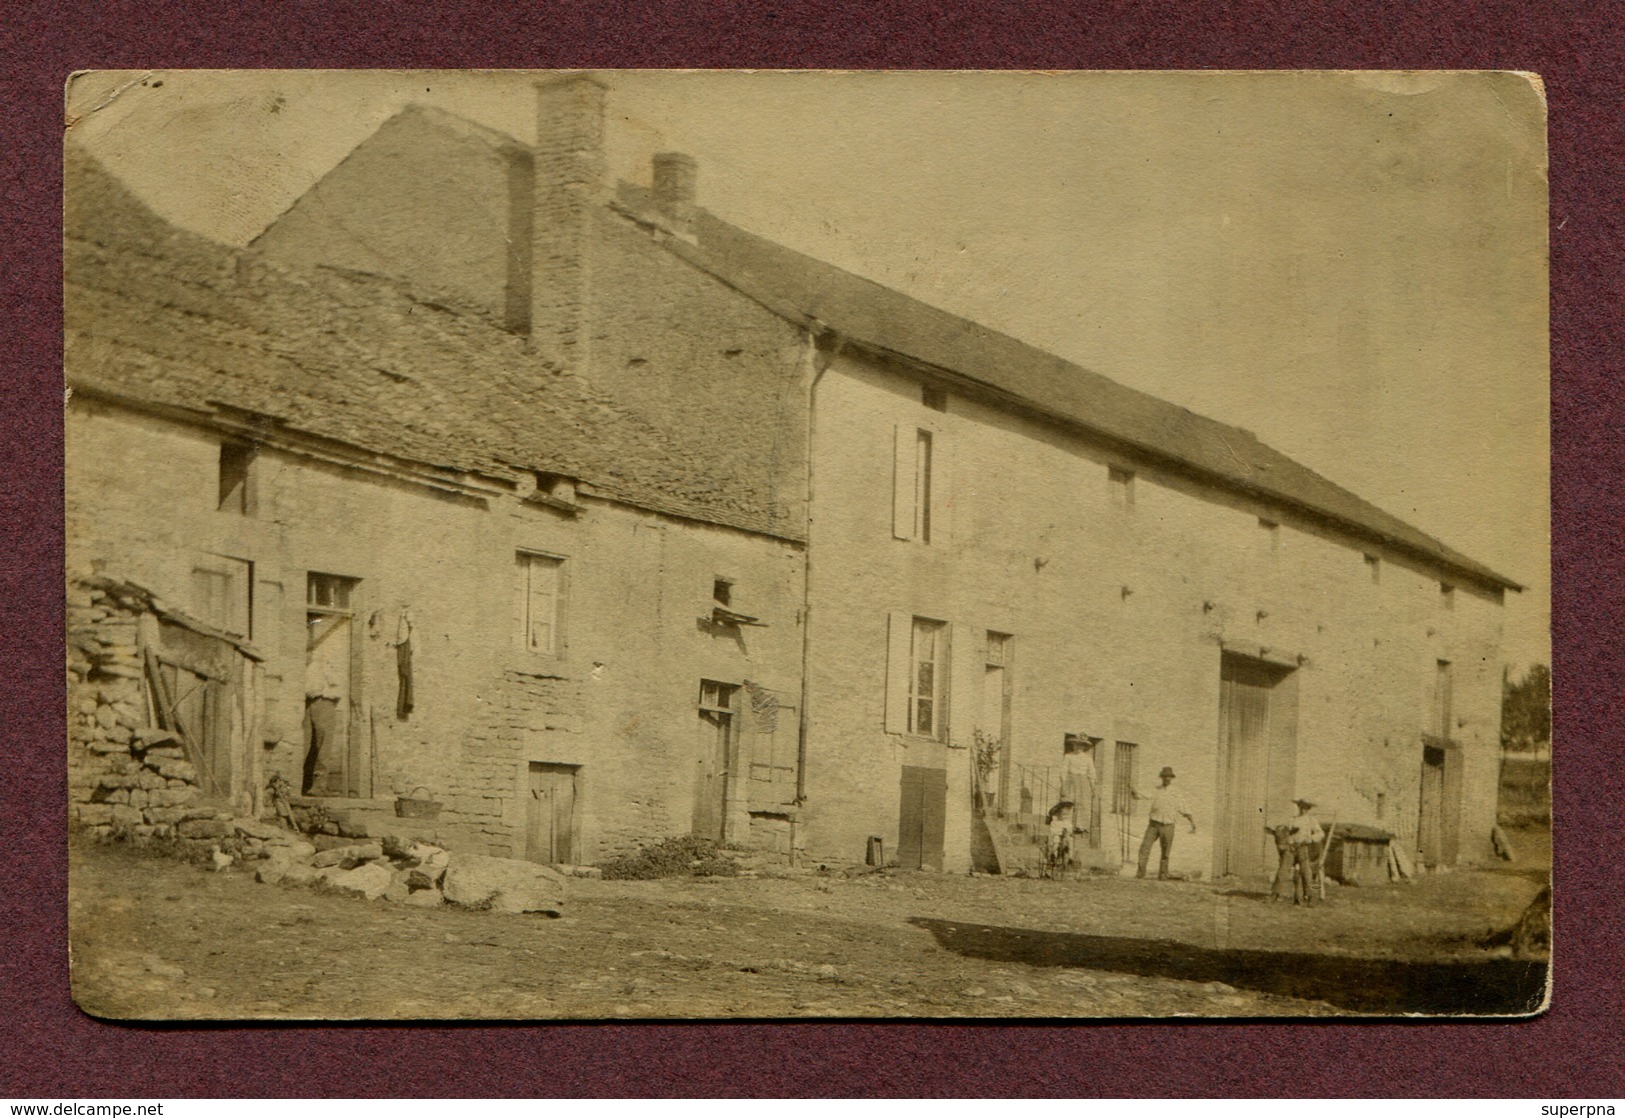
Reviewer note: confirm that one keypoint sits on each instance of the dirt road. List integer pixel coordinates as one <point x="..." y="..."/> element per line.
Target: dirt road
<point x="160" y="939"/>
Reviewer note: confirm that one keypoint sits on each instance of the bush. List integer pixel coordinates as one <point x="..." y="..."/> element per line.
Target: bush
<point x="683" y="856"/>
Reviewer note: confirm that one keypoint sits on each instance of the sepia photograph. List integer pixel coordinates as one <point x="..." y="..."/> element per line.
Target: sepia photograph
<point x="760" y="545"/>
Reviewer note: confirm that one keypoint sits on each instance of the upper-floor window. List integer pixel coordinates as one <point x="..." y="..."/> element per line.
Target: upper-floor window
<point x="917" y="497"/>
<point x="1443" y="698"/>
<point x="1121" y="484"/>
<point x="1447" y="596"/>
<point x="539" y="602"/>
<point x="236" y="477"/>
<point x="1373" y="565"/>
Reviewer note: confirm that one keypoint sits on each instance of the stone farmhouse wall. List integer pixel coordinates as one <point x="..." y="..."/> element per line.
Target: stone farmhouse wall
<point x="618" y="698"/>
<point x="1122" y="586"/>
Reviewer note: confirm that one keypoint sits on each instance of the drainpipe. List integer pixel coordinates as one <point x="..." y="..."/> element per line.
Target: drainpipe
<point x="818" y="358"/>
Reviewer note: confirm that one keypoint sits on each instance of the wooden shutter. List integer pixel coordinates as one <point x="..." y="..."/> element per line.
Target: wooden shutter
<point x="967" y="651"/>
<point x="899" y="638"/>
<point x="903" y="467"/>
<point x="942" y="489"/>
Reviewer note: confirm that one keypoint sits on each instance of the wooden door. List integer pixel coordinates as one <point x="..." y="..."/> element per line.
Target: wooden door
<point x="1241" y="844"/>
<point x="921" y="818"/>
<point x="1430" y="829"/>
<point x="712" y="758"/>
<point x="550" y="814"/>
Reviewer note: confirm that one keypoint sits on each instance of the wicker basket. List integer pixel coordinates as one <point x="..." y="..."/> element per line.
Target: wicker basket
<point x="411" y="807"/>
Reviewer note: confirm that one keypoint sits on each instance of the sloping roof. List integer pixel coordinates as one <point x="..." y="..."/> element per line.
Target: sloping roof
<point x="161" y="317"/>
<point x="870" y="315"/>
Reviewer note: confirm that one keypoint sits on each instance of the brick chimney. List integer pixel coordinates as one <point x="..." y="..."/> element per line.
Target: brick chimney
<point x="675" y="179"/>
<point x="570" y="183"/>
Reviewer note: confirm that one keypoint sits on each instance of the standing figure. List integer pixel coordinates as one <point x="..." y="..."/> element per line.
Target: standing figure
<point x="1304" y="835"/>
<point x="1078" y="780"/>
<point x="1166" y="806"/>
<point x="1285" y="867"/>
<point x="323" y="764"/>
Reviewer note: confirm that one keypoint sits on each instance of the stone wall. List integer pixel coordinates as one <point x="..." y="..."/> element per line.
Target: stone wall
<point x="1121" y="606"/>
<point x="126" y="777"/>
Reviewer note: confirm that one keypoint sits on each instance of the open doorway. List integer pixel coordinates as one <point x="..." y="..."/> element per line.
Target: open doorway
<point x="336" y="757"/>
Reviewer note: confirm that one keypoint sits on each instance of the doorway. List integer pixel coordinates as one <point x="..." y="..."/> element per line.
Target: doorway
<point x="1258" y="715"/>
<point x="337" y="755"/>
<point x="921" y="818"/>
<point x="1438" y="833"/>
<point x="550" y="814"/>
<point x="714" y="756"/>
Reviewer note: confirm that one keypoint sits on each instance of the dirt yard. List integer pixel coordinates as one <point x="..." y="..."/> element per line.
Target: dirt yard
<point x="161" y="939"/>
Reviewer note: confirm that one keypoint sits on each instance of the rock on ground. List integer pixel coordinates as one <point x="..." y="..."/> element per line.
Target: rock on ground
<point x="369" y="880"/>
<point x="502" y="884"/>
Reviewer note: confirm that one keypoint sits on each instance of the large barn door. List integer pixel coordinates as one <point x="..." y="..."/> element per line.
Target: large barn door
<point x="1256" y="742"/>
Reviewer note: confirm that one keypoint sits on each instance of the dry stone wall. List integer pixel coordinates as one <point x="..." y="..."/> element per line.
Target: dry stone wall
<point x="126" y="777"/>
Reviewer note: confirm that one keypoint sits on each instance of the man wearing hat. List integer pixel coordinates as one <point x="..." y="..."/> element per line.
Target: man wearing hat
<point x="1303" y="834"/>
<point x="1166" y="807"/>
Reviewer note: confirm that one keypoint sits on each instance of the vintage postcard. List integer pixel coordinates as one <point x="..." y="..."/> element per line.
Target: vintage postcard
<point x="775" y="545"/>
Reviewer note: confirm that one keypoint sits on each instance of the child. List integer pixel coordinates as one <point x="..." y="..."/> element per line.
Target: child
<point x="1059" y="844"/>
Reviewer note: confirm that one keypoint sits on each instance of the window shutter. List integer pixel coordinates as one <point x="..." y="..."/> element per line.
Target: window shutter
<point x="902" y="508"/>
<point x="942" y="490"/>
<point x="899" y="637"/>
<point x="966" y="650"/>
<point x="521" y="596"/>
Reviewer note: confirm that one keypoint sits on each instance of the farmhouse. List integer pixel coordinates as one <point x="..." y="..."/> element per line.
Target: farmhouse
<point x="676" y="529"/>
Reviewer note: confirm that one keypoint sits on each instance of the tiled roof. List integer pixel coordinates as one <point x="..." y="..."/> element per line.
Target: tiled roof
<point x="870" y="315"/>
<point x="165" y="318"/>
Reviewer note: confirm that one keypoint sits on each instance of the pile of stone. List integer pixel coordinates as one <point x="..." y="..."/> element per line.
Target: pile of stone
<point x="402" y="870"/>
<point x="125" y="778"/>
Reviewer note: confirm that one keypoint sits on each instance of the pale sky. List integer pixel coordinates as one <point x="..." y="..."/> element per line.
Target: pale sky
<point x="1353" y="266"/>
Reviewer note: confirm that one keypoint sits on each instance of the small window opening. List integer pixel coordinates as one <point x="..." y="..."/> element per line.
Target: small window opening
<point x="236" y="494"/>
<point x="1121" y="482"/>
<point x="1374" y="566"/>
<point x="722" y="590"/>
<point x="934" y="398"/>
<point x="1447" y="595"/>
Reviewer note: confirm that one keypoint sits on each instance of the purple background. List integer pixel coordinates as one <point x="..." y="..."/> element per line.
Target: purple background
<point x="48" y="1049"/>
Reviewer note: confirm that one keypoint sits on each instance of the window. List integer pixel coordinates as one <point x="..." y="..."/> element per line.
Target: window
<point x="328" y="592"/>
<point x="538" y="593"/>
<point x="223" y="594"/>
<point x="1443" y="698"/>
<point x="774" y="758"/>
<point x="1123" y="778"/>
<point x="926" y="678"/>
<point x="236" y="478"/>
<point x="916" y="676"/>
<point x="722" y="590"/>
<point x="1447" y="595"/>
<point x="1374" y="566"/>
<point x="934" y="398"/>
<point x="918" y="493"/>
<point x="1121" y="483"/>
<point x="1272" y="532"/>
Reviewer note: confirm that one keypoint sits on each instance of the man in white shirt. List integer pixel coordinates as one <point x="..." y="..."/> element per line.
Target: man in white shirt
<point x="1304" y="835"/>
<point x="1167" y="806"/>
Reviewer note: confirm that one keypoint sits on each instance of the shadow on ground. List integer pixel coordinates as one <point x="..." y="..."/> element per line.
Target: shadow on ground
<point x="1383" y="986"/>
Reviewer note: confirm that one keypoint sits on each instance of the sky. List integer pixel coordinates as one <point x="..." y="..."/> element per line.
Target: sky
<point x="1351" y="265"/>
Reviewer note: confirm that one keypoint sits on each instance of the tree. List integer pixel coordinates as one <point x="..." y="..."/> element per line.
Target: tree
<point x="1526" y="711"/>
